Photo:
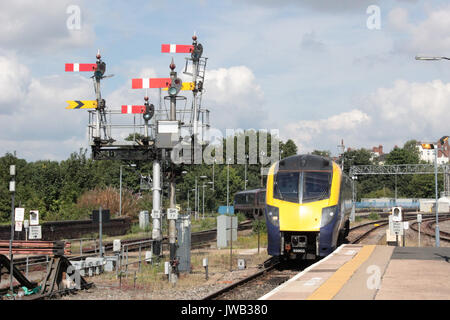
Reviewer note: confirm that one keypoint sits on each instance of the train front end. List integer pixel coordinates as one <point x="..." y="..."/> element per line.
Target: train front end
<point x="302" y="207"/>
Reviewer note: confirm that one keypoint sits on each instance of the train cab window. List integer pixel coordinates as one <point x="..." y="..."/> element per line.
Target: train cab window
<point x="316" y="186"/>
<point x="286" y="186"/>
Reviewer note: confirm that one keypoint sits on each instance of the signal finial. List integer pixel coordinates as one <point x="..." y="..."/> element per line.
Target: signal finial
<point x="172" y="65"/>
<point x="194" y="37"/>
<point x="98" y="54"/>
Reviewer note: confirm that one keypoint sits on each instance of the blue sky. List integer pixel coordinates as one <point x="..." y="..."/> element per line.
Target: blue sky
<point x="311" y="69"/>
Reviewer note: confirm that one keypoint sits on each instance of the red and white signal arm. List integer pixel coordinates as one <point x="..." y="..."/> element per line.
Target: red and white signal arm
<point x="149" y="83"/>
<point x="133" y="109"/>
<point x="34" y="217"/>
<point x="176" y="48"/>
<point x="80" y="67"/>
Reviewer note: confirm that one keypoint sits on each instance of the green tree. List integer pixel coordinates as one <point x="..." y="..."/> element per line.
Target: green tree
<point x="356" y="157"/>
<point x="287" y="149"/>
<point x="324" y="153"/>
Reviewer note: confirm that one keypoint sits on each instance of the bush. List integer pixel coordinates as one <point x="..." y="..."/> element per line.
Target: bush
<point x="109" y="198"/>
<point x="241" y="217"/>
<point x="136" y="229"/>
<point x="373" y="216"/>
<point x="259" y="225"/>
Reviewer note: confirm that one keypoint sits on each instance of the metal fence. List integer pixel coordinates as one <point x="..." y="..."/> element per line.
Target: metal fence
<point x="387" y="204"/>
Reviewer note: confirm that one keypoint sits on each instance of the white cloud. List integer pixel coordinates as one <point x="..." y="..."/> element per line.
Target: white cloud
<point x="14" y="78"/>
<point x="428" y="36"/>
<point x="418" y="110"/>
<point x="321" y="5"/>
<point x="388" y="116"/>
<point x="234" y="97"/>
<point x="42" y="25"/>
<point x="309" y="134"/>
<point x="38" y="125"/>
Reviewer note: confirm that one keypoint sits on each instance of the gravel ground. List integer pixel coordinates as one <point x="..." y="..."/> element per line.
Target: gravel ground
<point x="195" y="292"/>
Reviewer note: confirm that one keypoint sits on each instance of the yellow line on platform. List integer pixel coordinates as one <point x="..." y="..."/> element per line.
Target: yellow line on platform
<point x="334" y="284"/>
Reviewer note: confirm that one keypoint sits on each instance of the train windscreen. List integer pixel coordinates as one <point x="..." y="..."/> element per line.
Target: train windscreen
<point x="316" y="186"/>
<point x="286" y="186"/>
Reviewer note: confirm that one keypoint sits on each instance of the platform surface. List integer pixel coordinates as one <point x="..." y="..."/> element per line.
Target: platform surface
<point x="370" y="272"/>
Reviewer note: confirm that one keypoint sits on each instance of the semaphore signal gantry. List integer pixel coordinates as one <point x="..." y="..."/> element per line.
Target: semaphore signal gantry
<point x="107" y="127"/>
<point x="154" y="134"/>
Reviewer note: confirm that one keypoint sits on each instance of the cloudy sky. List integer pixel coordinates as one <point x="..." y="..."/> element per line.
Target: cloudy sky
<point x="311" y="68"/>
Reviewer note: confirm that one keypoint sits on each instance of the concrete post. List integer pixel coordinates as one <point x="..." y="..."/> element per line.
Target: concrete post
<point x="156" y="212"/>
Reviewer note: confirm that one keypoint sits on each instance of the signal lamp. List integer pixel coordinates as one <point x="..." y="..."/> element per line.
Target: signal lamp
<point x="175" y="87"/>
<point x="149" y="111"/>
<point x="428" y="146"/>
<point x="101" y="68"/>
<point x="443" y="139"/>
<point x="197" y="52"/>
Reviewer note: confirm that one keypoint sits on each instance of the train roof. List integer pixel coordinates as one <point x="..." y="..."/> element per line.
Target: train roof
<point x="251" y="191"/>
<point x="305" y="162"/>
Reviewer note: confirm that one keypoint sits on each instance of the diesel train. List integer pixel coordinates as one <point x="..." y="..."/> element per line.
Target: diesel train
<point x="308" y="205"/>
<point x="252" y="203"/>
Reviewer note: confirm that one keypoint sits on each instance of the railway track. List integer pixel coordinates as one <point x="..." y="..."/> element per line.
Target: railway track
<point x="273" y="274"/>
<point x="429" y="228"/>
<point x="199" y="240"/>
<point x="276" y="272"/>
<point x="362" y="231"/>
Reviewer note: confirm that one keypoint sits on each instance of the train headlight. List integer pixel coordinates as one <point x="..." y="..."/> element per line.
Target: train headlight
<point x="327" y="215"/>
<point x="272" y="215"/>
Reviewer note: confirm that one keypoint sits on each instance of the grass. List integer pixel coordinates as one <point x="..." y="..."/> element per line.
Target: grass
<point x="203" y="224"/>
<point x="373" y="216"/>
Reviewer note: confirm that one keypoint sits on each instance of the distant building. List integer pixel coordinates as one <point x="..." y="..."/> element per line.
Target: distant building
<point x="428" y="155"/>
<point x="378" y="155"/>
<point x="377" y="151"/>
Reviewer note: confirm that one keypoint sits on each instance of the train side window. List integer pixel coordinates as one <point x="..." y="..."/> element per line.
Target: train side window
<point x="262" y="197"/>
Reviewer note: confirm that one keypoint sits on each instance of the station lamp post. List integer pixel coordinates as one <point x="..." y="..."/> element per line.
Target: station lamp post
<point x="203" y="201"/>
<point x="431" y="58"/>
<point x="203" y="206"/>
<point x="228" y="184"/>
<point x="194" y="200"/>
<point x="213" y="174"/>
<point x="12" y="189"/>
<point x="184" y="173"/>
<point x="431" y="146"/>
<point x="245" y="172"/>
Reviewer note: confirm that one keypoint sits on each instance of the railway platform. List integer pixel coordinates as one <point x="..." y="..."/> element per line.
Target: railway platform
<point x="372" y="272"/>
